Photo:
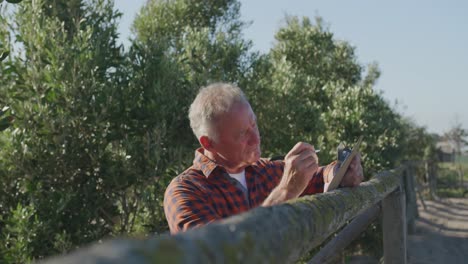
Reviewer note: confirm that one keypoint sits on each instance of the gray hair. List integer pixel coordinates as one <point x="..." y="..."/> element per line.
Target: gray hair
<point x="211" y="102"/>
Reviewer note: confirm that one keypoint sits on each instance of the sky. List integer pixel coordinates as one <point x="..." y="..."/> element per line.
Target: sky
<point x="421" y="47"/>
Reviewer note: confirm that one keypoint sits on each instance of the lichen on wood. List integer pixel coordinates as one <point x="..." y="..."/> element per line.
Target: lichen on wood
<point x="276" y="234"/>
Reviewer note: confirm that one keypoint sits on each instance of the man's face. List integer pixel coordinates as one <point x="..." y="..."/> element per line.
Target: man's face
<point x="238" y="143"/>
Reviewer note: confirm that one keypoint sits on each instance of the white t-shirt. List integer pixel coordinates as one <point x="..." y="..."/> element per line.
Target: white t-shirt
<point x="240" y="177"/>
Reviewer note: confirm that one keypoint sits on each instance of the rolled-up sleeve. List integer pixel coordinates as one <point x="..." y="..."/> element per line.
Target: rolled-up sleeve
<point x="186" y="206"/>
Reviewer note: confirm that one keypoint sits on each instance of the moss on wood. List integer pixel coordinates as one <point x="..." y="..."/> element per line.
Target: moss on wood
<point x="277" y="234"/>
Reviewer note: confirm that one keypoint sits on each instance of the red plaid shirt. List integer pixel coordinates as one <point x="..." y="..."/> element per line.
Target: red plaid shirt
<point x="205" y="192"/>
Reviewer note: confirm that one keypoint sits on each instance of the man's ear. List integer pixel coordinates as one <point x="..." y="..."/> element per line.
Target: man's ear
<point x="206" y="143"/>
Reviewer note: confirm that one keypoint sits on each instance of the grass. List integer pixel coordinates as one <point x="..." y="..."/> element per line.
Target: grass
<point x="448" y="180"/>
<point x="452" y="192"/>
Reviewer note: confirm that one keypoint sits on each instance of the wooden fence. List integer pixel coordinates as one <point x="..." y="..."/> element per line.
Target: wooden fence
<point x="279" y="234"/>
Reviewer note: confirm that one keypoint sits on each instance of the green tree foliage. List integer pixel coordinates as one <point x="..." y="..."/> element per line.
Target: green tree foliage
<point x="91" y="134"/>
<point x="61" y="97"/>
<point x="311" y="88"/>
<point x="458" y="135"/>
<point x="417" y="142"/>
<point x="5" y="66"/>
<point x="304" y="59"/>
<point x="99" y="133"/>
<point x="178" y="47"/>
<point x="311" y="49"/>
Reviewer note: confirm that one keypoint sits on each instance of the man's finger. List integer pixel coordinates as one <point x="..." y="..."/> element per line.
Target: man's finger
<point x="308" y="154"/>
<point x="300" y="147"/>
<point x="305" y="162"/>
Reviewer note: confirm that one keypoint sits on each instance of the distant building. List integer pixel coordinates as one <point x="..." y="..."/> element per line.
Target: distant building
<point x="446" y="151"/>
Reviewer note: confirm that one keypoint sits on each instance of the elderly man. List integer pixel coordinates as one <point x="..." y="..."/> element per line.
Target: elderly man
<point x="228" y="176"/>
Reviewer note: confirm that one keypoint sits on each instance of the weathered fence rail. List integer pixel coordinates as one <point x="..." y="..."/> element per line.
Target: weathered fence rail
<point x="276" y="234"/>
<point x="332" y="251"/>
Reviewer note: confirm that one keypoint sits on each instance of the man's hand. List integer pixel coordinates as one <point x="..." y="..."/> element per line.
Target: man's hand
<point x="354" y="175"/>
<point x="301" y="163"/>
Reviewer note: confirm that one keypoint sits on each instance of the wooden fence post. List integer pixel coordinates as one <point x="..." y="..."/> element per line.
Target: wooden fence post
<point x="433" y="180"/>
<point x="427" y="177"/>
<point x="394" y="227"/>
<point x="418" y="185"/>
<point x="410" y="193"/>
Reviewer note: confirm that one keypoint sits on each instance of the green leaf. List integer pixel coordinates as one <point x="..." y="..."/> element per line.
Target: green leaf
<point x="4" y="54"/>
<point x="5" y="123"/>
<point x="50" y="95"/>
<point x="9" y="69"/>
<point x="4" y="110"/>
